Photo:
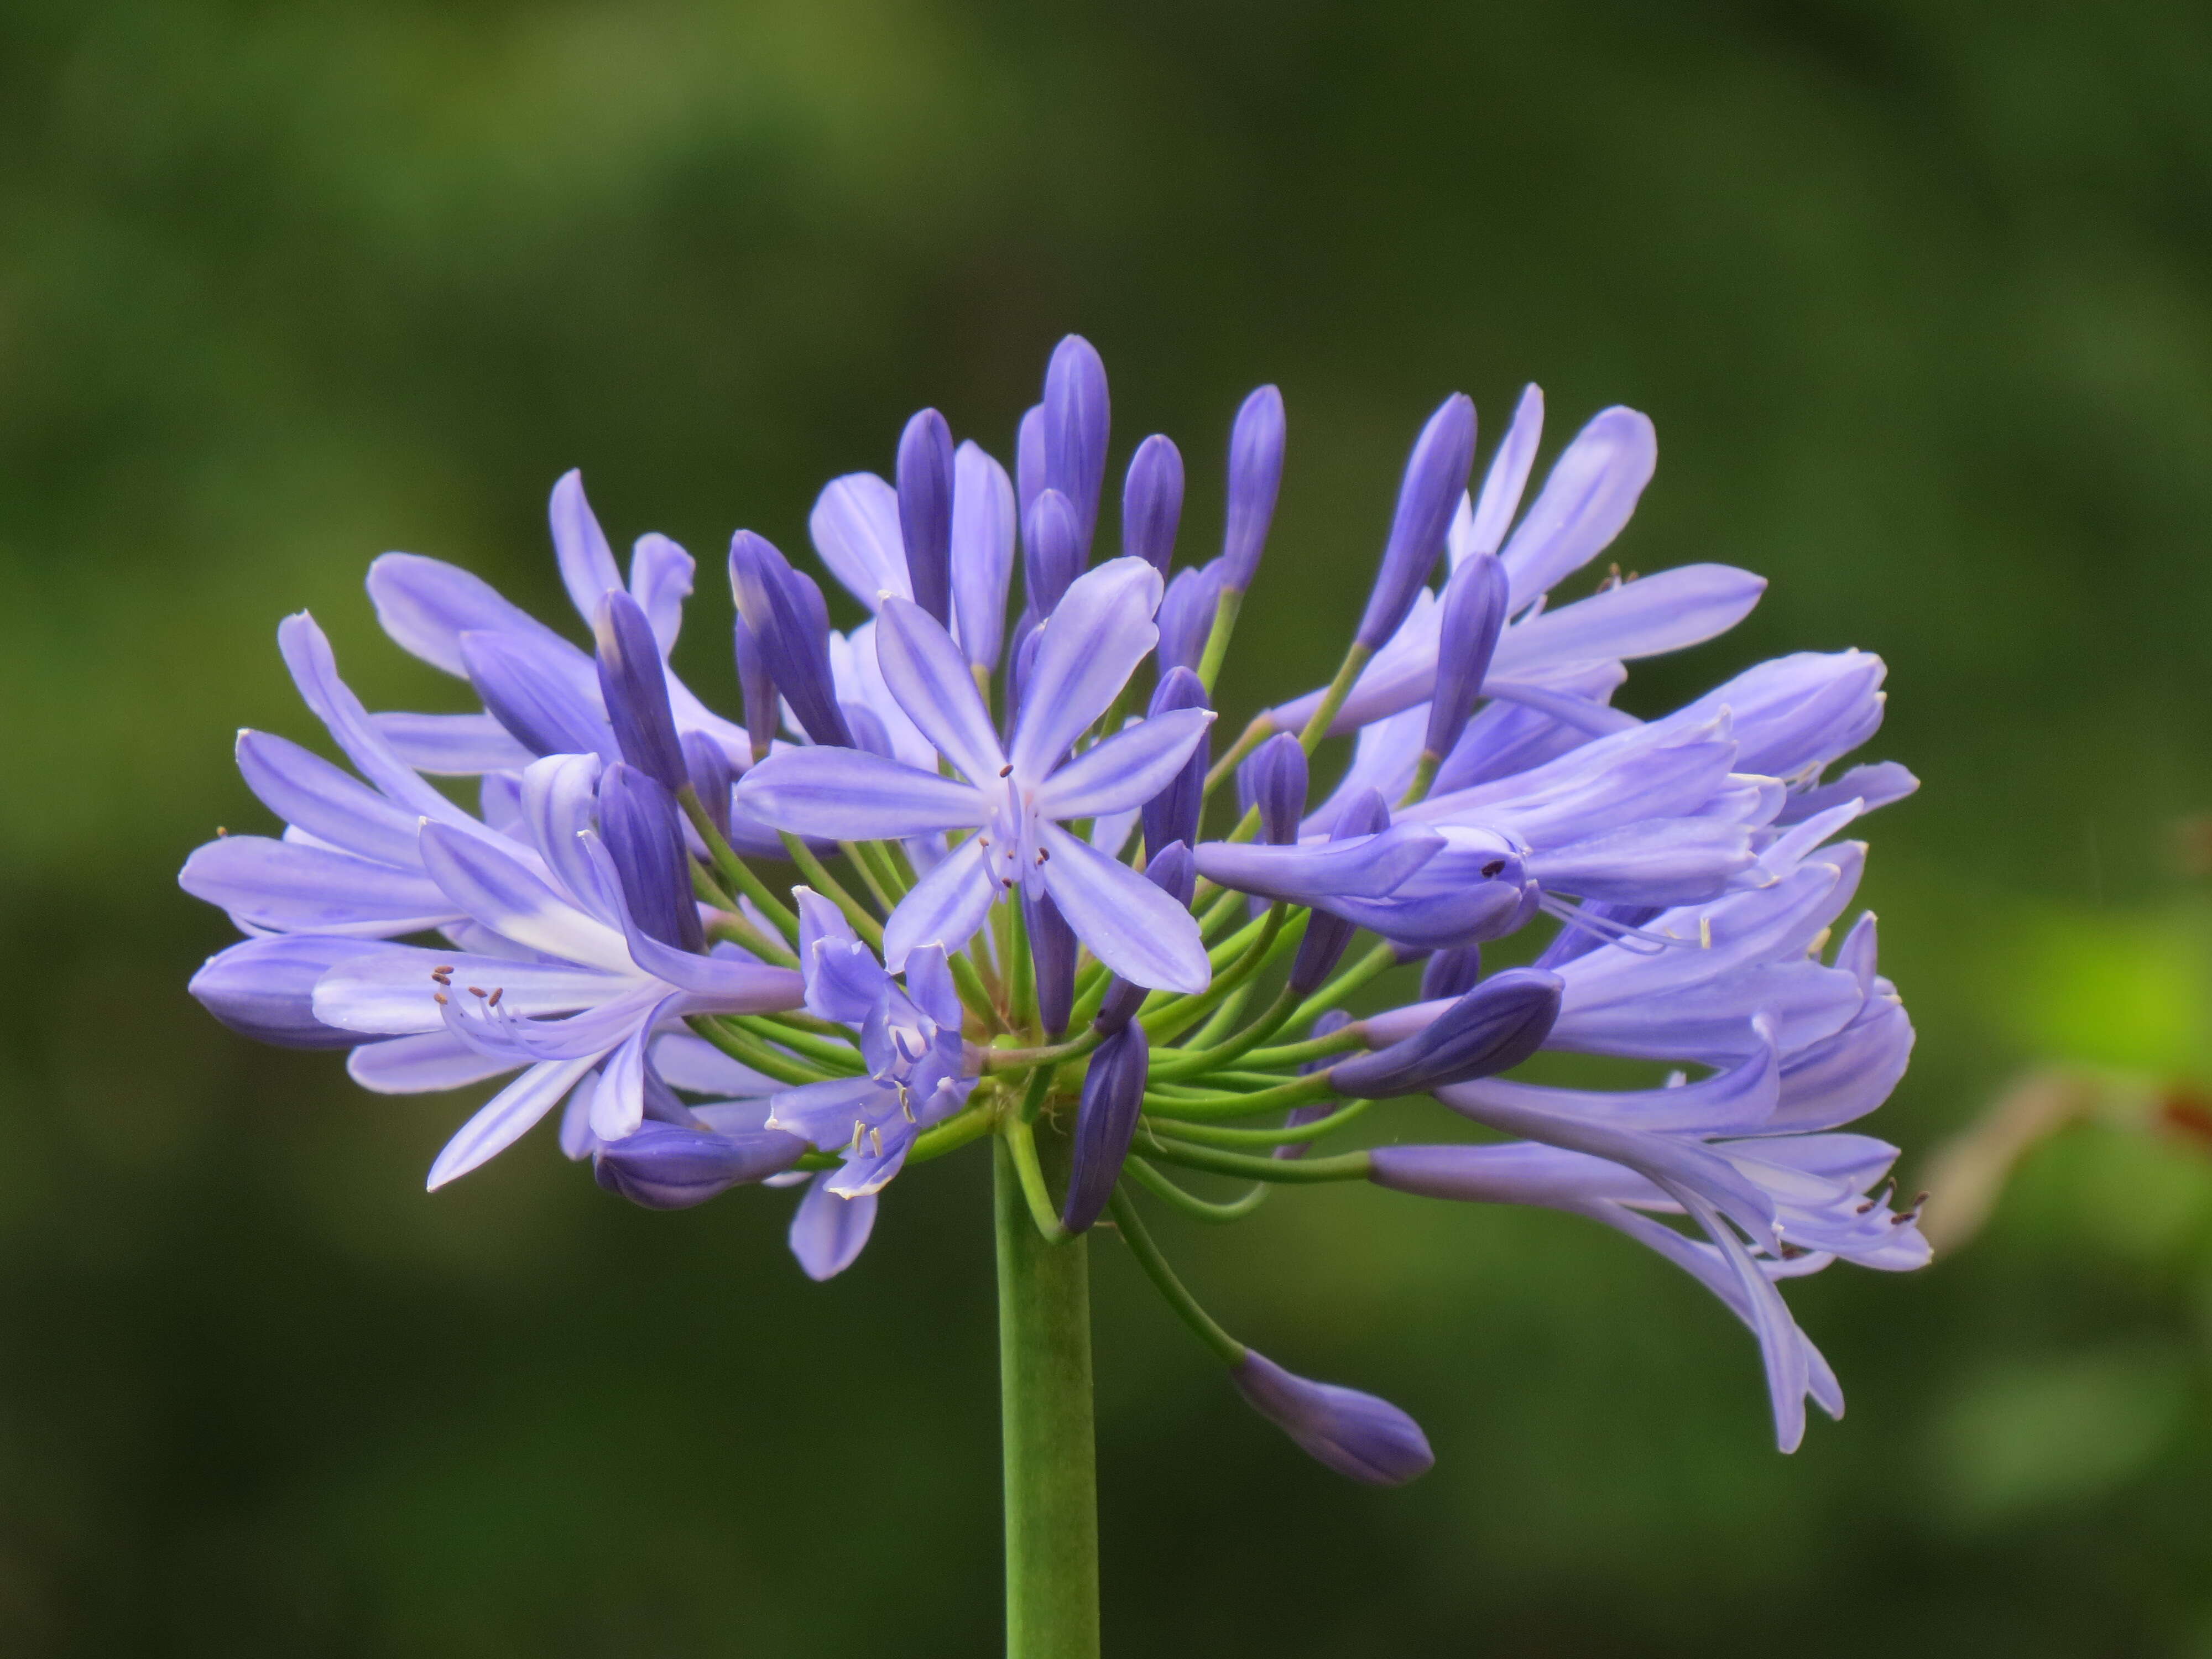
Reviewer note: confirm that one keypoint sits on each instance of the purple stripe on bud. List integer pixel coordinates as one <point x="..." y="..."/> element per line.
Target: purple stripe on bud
<point x="1474" y="604"/>
<point x="1256" y="474"/>
<point x="1113" y="1094"/>
<point x="707" y="765"/>
<point x="925" y="511"/>
<point x="1052" y="553"/>
<point x="1327" y="1025"/>
<point x="1436" y="477"/>
<point x="1356" y="1434"/>
<point x="264" y="989"/>
<point x="784" y="610"/>
<point x="635" y="686"/>
<point x="644" y="836"/>
<point x="1151" y="502"/>
<point x="1274" y="779"/>
<point x="665" y="1168"/>
<point x="1175" y="872"/>
<point x="1076" y="419"/>
<point x="1493" y="1029"/>
<point x="541" y="710"/>
<point x="1186" y="616"/>
<point x="1451" y="973"/>
<point x="756" y="686"/>
<point x="1029" y="459"/>
<point x="1052" y="951"/>
<point x="1173" y="814"/>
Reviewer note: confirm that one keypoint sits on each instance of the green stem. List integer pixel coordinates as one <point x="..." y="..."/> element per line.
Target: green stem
<point x="819" y="876"/>
<point x="734" y="870"/>
<point x="1222" y="770"/>
<point x="1197" y="1208"/>
<point x="1217" y="637"/>
<point x="1348" y="1166"/>
<point x="1207" y="1135"/>
<point x="1044" y="1397"/>
<point x="1140" y="1241"/>
<point x="1332" y="699"/>
<point x="749" y="1050"/>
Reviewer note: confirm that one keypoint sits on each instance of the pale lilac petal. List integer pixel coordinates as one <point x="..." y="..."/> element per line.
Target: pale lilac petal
<point x="588" y="564"/>
<point x="423" y="1064"/>
<point x="982" y="553"/>
<point x="1091" y="644"/>
<point x="451" y="745"/>
<point x="541" y="709"/>
<point x="855" y="527"/>
<point x="1657" y="861"/>
<point x="1733" y="1102"/>
<point x="1508" y="476"/>
<point x="559" y="798"/>
<point x="848" y="794"/>
<point x="825" y="1114"/>
<point x="930" y="679"/>
<point x="619" y="1097"/>
<point x="1876" y="785"/>
<point x="930" y="985"/>
<point x="945" y="907"/>
<point x="308" y="793"/>
<point x="507" y="897"/>
<point x="1666" y="611"/>
<point x="508" y="1115"/>
<point x="723" y="983"/>
<point x="827" y="1232"/>
<point x="660" y="577"/>
<point x="1587" y="500"/>
<point x="697" y="1066"/>
<point x="1127" y="768"/>
<point x="390" y="989"/>
<point x="1358" y="867"/>
<point x="427" y="604"/>
<point x="281" y="887"/>
<point x="1131" y="925"/>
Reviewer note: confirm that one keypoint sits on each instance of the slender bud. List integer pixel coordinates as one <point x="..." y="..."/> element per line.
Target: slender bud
<point x="663" y="1167"/>
<point x="1052" y="555"/>
<point x="1467" y="638"/>
<point x="1256" y="474"/>
<point x="1274" y="779"/>
<point x="1357" y="1435"/>
<point x="784" y="610"/>
<point x="756" y="686"/>
<point x="982" y="552"/>
<point x="925" y="511"/>
<point x="1186" y="616"/>
<point x="707" y="765"/>
<point x="1175" y="872"/>
<point x="1076" y="419"/>
<point x="1493" y="1029"/>
<point x="1327" y="1025"/>
<point x="264" y="989"/>
<point x="1451" y="973"/>
<point x="644" y="836"/>
<point x="1173" y="814"/>
<point x="1052" y="949"/>
<point x="635" y="687"/>
<point x="1112" y="1095"/>
<point x="1029" y="459"/>
<point x="1151" y="502"/>
<point x="1436" y="477"/>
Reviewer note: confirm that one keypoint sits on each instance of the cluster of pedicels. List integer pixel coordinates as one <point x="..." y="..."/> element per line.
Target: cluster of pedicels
<point x="950" y="876"/>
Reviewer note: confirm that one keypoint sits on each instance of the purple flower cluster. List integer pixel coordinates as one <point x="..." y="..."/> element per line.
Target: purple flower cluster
<point x="902" y="902"/>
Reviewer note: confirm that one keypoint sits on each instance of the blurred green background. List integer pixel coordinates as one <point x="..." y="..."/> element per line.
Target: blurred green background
<point x="1921" y="300"/>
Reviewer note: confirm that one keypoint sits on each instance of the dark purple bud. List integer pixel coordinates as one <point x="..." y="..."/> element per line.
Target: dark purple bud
<point x="1175" y="872"/>
<point x="1356" y="1434"/>
<point x="1451" y="973"/>
<point x="1365" y="814"/>
<point x="1473" y="615"/>
<point x="635" y="685"/>
<point x="1186" y="616"/>
<point x="264" y="989"/>
<point x="663" y="1167"/>
<point x="1274" y="779"/>
<point x="925" y="507"/>
<point x="1256" y="474"/>
<point x="1151" y="502"/>
<point x="784" y="610"/>
<point x="1028" y="460"/>
<point x="1052" y="951"/>
<point x="543" y="711"/>
<point x="1052" y="556"/>
<point x="1076" y="419"/>
<point x="1493" y="1029"/>
<point x="707" y="765"/>
<point x="1436" y="477"/>
<point x="1327" y="1025"/>
<point x="757" y="688"/>
<point x="1173" y="814"/>
<point x="644" y="836"/>
<point x="1112" y="1095"/>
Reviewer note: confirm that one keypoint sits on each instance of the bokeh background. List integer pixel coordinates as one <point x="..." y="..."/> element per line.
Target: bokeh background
<point x="1921" y="299"/>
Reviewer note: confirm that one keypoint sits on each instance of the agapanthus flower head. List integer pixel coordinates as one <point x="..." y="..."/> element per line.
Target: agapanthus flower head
<point x="902" y="904"/>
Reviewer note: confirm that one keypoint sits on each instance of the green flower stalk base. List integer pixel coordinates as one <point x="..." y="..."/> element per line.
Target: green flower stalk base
<point x="1044" y="1382"/>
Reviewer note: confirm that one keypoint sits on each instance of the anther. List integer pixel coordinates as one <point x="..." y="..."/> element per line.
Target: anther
<point x="1007" y="770"/>
<point x="220" y="832"/>
<point x="443" y="968"/>
<point x="1704" y="933"/>
<point x="1043" y="853"/>
<point x="439" y="997"/>
<point x="497" y="992"/>
<point x="876" y="1140"/>
<point x="475" y="991"/>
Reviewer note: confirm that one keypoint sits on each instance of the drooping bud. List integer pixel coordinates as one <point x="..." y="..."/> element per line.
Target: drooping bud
<point x="1076" y="420"/>
<point x="1493" y="1029"/>
<point x="1052" y="951"/>
<point x="663" y="1167"/>
<point x="264" y="989"/>
<point x="982" y="552"/>
<point x="1327" y="1025"/>
<point x="1357" y="1435"/>
<point x="925" y="511"/>
<point x="1451" y="973"/>
<point x="1105" y="1122"/>
<point x="707" y="765"/>
<point x="635" y="686"/>
<point x="1435" y="476"/>
<point x="1052" y="555"/>
<point x="1174" y="872"/>
<point x="1151" y="502"/>
<point x="1186" y="616"/>
<point x="1173" y="814"/>
<point x="1255" y="475"/>
<point x="644" y="837"/>
<point x="1274" y="779"/>
<point x="1474" y="604"/>
<point x="756" y="686"/>
<point x="784" y="610"/>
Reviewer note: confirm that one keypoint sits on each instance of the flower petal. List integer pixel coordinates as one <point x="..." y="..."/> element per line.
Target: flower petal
<point x="423" y="1064"/>
<point x="1587" y="500"/>
<point x="427" y="604"/>
<point x="945" y="907"/>
<point x="1130" y="925"/>
<point x="1127" y="769"/>
<point x="848" y="794"/>
<point x="330" y="804"/>
<point x="287" y="887"/>
<point x="451" y="745"/>
<point x="930" y="680"/>
<point x="507" y="1116"/>
<point x="829" y="1232"/>
<point x="855" y="527"/>
<point x="1092" y="642"/>
<point x="510" y="898"/>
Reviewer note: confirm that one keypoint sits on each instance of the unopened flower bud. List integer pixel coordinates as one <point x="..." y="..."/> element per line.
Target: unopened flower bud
<point x="1151" y="502"/>
<point x="1493" y="1029"/>
<point x="1474" y="604"/>
<point x="1451" y="973"/>
<point x="635" y="687"/>
<point x="663" y="1167"/>
<point x="644" y="836"/>
<point x="264" y="989"/>
<point x="1186" y="616"/>
<point x="1076" y="420"/>
<point x="1255" y="475"/>
<point x="925" y="511"/>
<point x="706" y="764"/>
<point x="1173" y="814"/>
<point x="1105" y="1122"/>
<point x="1052" y="553"/>
<point x="784" y="610"/>
<point x="1274" y="779"/>
<point x="1052" y="951"/>
<point x="1436" y="477"/>
<point x="1175" y="872"/>
<point x="1357" y="1435"/>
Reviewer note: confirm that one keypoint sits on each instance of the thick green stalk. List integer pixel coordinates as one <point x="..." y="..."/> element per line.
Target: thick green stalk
<point x="1044" y="1396"/>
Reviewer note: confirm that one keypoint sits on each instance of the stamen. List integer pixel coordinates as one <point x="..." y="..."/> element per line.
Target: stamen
<point x="475" y="991"/>
<point x="1007" y="770"/>
<point x="439" y="997"/>
<point x="1704" y="933"/>
<point x="497" y="992"/>
<point x="876" y="1140"/>
<point x="1604" y="927"/>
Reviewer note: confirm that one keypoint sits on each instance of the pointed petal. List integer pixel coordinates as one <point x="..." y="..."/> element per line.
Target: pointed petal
<point x="1130" y="925"/>
<point x="1586" y="501"/>
<point x="1125" y="770"/>
<point x="420" y="1065"/>
<point x="588" y="564"/>
<point x="1362" y="867"/>
<point x="827" y="1232"/>
<point x="507" y="897"/>
<point x="1091" y="643"/>
<point x="848" y="794"/>
<point x="286" y="887"/>
<point x="427" y="604"/>
<point x="507" y="1117"/>
<point x="930" y="677"/>
<point x="855" y="527"/>
<point x="945" y="907"/>
<point x="308" y="793"/>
